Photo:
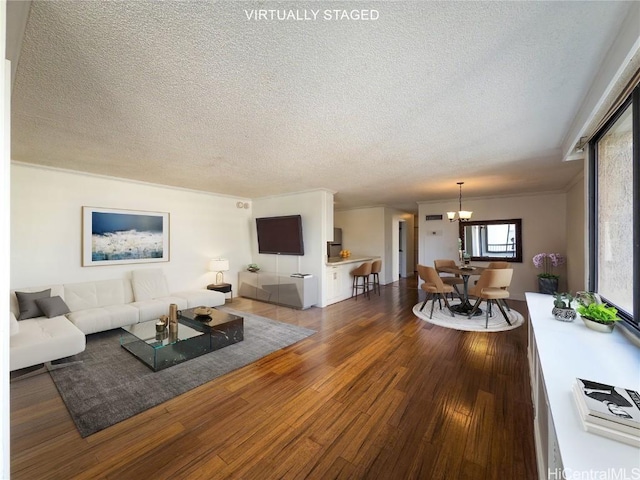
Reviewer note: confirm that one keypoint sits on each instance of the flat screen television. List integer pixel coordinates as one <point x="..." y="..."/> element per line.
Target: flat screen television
<point x="280" y="235"/>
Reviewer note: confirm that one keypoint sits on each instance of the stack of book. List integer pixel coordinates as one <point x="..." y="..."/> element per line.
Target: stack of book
<point x="607" y="410"/>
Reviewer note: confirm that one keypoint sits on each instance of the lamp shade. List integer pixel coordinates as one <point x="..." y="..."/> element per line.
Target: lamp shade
<point x="219" y="265"/>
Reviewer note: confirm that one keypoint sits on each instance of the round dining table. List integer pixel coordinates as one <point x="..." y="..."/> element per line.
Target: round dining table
<point x="465" y="271"/>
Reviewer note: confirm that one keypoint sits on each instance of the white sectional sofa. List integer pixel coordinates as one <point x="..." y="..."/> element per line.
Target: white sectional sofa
<point x="91" y="307"/>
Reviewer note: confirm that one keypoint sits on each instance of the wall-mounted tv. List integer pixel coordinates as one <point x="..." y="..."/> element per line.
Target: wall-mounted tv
<point x="280" y="235"/>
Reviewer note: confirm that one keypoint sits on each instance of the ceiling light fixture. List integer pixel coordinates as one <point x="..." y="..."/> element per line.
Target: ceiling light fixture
<point x="462" y="215"/>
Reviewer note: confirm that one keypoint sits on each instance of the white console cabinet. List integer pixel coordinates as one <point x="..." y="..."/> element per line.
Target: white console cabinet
<point x="559" y="352"/>
<point x="296" y="292"/>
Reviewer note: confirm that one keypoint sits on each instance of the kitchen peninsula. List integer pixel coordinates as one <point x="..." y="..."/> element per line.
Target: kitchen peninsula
<point x="339" y="280"/>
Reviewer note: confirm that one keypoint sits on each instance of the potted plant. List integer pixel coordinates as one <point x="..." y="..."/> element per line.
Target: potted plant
<point x="562" y="309"/>
<point x="595" y="314"/>
<point x="547" y="280"/>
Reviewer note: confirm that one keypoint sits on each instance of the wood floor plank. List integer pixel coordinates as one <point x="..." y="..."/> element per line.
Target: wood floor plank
<point x="375" y="394"/>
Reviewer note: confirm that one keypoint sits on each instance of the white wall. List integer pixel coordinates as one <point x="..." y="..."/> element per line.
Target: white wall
<point x="363" y="232"/>
<point x="374" y="232"/>
<point x="46" y="206"/>
<point x="316" y="209"/>
<point x="576" y="228"/>
<point x="543" y="230"/>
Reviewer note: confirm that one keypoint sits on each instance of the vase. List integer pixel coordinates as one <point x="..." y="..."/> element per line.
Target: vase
<point x="597" y="326"/>
<point x="564" y="314"/>
<point x="547" y="285"/>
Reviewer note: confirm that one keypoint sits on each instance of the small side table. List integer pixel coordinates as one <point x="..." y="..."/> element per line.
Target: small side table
<point x="221" y="287"/>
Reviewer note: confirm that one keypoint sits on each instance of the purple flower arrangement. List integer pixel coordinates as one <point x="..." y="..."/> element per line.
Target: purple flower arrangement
<point x="547" y="261"/>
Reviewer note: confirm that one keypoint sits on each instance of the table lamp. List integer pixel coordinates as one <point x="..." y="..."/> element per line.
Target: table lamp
<point x="219" y="265"/>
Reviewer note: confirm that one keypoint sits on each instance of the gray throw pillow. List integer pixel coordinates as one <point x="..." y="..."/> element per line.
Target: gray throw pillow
<point x="52" y="307"/>
<point x="27" y="303"/>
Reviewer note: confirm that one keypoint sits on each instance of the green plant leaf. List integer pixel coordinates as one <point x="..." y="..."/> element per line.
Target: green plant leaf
<point x="599" y="312"/>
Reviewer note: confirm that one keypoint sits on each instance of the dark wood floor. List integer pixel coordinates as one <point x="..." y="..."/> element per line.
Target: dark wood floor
<point x="375" y="394"/>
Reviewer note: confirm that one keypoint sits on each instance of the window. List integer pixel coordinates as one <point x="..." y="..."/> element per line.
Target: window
<point x="614" y="190"/>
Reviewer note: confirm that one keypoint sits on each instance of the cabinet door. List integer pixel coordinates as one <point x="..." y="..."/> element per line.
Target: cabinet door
<point x="247" y="284"/>
<point x="346" y="281"/>
<point x="334" y="283"/>
<point x="339" y="282"/>
<point x="268" y="287"/>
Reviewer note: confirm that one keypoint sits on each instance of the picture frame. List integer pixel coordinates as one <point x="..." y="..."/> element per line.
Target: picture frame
<point x="116" y="236"/>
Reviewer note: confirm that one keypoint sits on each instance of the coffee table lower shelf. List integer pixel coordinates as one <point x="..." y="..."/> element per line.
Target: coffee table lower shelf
<point x="160" y="350"/>
<point x="194" y="337"/>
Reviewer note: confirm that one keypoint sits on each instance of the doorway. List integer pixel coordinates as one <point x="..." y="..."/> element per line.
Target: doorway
<point x="402" y="249"/>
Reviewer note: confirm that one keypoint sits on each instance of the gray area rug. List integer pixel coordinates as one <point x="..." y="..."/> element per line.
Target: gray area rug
<point x="111" y="385"/>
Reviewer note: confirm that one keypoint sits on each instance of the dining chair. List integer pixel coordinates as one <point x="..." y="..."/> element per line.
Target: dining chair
<point x="449" y="279"/>
<point x="499" y="265"/>
<point x="361" y="273"/>
<point x="493" y="287"/>
<point x="434" y="288"/>
<point x="495" y="265"/>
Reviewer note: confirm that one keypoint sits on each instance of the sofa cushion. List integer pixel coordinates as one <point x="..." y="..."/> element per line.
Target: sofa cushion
<point x="80" y="296"/>
<point x="52" y="306"/>
<point x="202" y="298"/>
<point x="43" y="340"/>
<point x="149" y="284"/>
<point x="92" y="320"/>
<point x="152" y="309"/>
<point x="111" y="292"/>
<point x="14" y="325"/>
<point x="27" y="303"/>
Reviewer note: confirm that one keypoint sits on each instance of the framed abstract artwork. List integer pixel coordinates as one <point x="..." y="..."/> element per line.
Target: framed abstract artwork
<point x="113" y="237"/>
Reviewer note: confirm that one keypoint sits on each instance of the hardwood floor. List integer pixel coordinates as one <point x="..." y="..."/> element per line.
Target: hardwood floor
<point x="375" y="394"/>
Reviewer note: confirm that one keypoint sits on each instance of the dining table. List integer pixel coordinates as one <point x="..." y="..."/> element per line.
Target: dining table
<point x="465" y="271"/>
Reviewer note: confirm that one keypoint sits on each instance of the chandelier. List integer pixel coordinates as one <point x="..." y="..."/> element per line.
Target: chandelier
<point x="460" y="215"/>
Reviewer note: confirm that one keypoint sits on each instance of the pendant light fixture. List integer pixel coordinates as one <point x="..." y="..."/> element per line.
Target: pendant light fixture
<point x="460" y="215"/>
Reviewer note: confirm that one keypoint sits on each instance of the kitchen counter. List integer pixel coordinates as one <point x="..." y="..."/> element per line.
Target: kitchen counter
<point x="339" y="282"/>
<point x="333" y="261"/>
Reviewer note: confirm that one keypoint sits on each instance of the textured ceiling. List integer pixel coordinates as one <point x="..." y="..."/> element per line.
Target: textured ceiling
<point x="390" y="111"/>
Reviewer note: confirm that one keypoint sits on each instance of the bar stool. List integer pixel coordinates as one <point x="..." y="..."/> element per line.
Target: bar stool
<point x="362" y="272"/>
<point x="376" y="266"/>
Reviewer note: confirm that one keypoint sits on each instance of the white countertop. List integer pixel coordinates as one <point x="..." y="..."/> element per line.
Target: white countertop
<point x="570" y="350"/>
<point x="333" y="261"/>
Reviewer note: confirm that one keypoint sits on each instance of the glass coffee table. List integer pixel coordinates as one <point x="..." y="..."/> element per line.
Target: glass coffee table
<point x="159" y="350"/>
<point x="224" y="328"/>
<point x="195" y="336"/>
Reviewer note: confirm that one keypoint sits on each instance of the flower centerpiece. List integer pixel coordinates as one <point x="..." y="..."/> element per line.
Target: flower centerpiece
<point x="547" y="280"/>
